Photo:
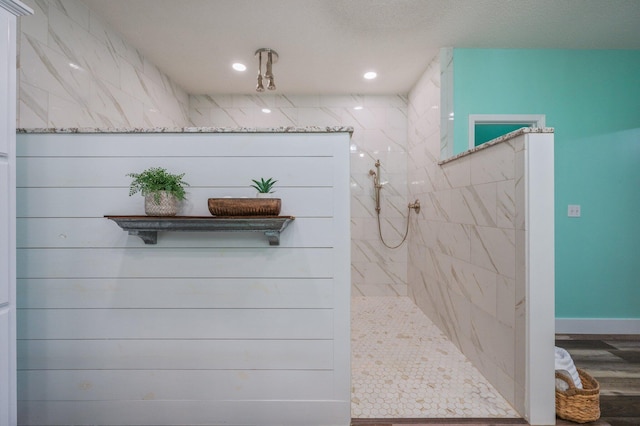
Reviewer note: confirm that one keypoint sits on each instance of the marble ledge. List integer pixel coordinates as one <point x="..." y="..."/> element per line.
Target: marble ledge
<point x="498" y="140"/>
<point x="309" y="129"/>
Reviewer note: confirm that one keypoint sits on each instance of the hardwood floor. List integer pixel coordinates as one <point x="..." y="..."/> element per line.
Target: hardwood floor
<point x="448" y="422"/>
<point x="614" y="361"/>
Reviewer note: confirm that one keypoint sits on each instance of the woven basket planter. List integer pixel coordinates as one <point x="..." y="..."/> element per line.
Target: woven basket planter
<point x="166" y="205"/>
<point x="578" y="405"/>
<point x="245" y="206"/>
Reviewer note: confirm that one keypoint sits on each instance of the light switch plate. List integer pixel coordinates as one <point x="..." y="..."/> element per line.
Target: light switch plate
<point x="573" y="210"/>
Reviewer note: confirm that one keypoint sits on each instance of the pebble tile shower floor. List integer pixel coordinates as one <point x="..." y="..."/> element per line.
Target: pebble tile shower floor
<point x="402" y="366"/>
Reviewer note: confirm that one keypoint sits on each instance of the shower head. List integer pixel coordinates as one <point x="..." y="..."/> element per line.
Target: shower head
<point x="372" y="173"/>
<point x="269" y="74"/>
<point x="271" y="85"/>
<point x="260" y="86"/>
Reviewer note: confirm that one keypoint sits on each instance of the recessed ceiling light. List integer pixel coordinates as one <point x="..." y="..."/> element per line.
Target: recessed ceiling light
<point x="370" y="75"/>
<point x="359" y="107"/>
<point x="239" y="67"/>
<point x="266" y="110"/>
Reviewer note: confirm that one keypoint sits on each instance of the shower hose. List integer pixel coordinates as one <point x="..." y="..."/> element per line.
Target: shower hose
<point x="377" y="186"/>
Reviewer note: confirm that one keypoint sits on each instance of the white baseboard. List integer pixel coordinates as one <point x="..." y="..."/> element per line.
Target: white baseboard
<point x="598" y="325"/>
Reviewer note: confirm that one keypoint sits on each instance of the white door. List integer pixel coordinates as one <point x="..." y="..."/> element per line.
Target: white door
<point x="7" y="342"/>
<point x="9" y="9"/>
<point x="7" y="308"/>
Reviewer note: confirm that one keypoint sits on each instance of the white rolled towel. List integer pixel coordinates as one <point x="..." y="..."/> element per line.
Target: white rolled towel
<point x="564" y="362"/>
<point x="562" y="384"/>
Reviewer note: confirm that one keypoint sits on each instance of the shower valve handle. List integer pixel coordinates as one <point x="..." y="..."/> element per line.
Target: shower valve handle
<point x="415" y="206"/>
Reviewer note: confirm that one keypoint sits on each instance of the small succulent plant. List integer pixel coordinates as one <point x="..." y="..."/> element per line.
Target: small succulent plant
<point x="263" y="186"/>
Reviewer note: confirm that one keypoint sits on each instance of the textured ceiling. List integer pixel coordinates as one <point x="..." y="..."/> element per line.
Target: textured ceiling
<point x="326" y="45"/>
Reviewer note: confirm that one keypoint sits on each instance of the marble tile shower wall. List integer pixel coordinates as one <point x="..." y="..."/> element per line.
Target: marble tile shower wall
<point x="380" y="132"/>
<point x="74" y="71"/>
<point x="462" y="259"/>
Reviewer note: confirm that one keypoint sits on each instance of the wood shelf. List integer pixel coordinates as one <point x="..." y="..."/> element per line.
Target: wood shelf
<point x="147" y="227"/>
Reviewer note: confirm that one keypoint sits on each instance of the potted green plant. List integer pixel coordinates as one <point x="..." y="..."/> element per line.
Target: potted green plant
<point x="162" y="190"/>
<point x="263" y="187"/>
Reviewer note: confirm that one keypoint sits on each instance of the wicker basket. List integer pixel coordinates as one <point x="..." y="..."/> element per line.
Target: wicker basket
<point x="578" y="405"/>
<point x="245" y="206"/>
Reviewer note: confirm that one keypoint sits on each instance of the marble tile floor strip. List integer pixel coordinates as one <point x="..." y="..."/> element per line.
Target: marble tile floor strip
<point x="614" y="361"/>
<point x="403" y="366"/>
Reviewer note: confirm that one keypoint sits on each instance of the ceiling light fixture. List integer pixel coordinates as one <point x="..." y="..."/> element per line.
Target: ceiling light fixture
<point x="239" y="67"/>
<point x="370" y="75"/>
<point x="272" y="58"/>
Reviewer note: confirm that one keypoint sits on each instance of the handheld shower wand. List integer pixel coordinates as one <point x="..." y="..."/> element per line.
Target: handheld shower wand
<point x="376" y="185"/>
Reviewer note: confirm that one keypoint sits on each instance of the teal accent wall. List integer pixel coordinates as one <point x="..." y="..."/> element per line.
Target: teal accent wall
<point x="486" y="132"/>
<point x="592" y="99"/>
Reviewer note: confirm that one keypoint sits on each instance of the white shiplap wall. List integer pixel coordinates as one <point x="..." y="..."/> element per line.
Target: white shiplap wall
<point x="203" y="328"/>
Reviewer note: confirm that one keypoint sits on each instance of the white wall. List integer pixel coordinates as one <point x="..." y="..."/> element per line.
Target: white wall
<point x="74" y="71"/>
<point x="380" y="132"/>
<point x="202" y="328"/>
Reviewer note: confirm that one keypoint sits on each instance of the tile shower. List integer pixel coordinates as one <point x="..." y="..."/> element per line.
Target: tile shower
<point x="379" y="274"/>
<point x="123" y="89"/>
